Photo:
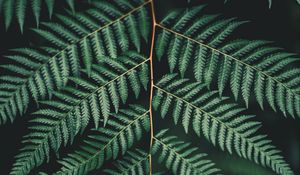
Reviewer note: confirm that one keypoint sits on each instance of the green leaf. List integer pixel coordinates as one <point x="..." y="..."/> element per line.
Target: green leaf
<point x="70" y="40"/>
<point x="133" y="162"/>
<point x="203" y="46"/>
<point x="222" y="123"/>
<point x="84" y="100"/>
<point x="36" y="9"/>
<point x="107" y="143"/>
<point x="179" y="156"/>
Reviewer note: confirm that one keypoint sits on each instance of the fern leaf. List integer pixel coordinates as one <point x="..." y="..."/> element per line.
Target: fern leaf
<point x="36" y="9"/>
<point x="134" y="31"/>
<point x="144" y="24"/>
<point x="201" y="45"/>
<point x="134" y="162"/>
<point x="222" y="123"/>
<point x="179" y="157"/>
<point x="71" y="5"/>
<point x="20" y="13"/>
<point x="123" y="129"/>
<point x="8" y="12"/>
<point x="50" y="6"/>
<point x="58" y="124"/>
<point x="71" y="39"/>
<point x="20" y="9"/>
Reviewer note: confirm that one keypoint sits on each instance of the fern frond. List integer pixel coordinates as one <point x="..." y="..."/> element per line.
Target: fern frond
<point x="247" y="67"/>
<point x="19" y="9"/>
<point x="134" y="162"/>
<point x="75" y="105"/>
<point x="179" y="157"/>
<point x="8" y="12"/>
<point x="222" y="123"/>
<point x="71" y="5"/>
<point x="121" y="132"/>
<point x="20" y="12"/>
<point x="50" y="7"/>
<point x="85" y="38"/>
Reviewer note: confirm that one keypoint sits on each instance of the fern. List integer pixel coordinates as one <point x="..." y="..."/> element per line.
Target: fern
<point x="17" y="9"/>
<point x="135" y="162"/>
<point x="33" y="73"/>
<point x="180" y="157"/>
<point x="92" y="66"/>
<point x="220" y="122"/>
<point x="76" y="105"/>
<point x="122" y="131"/>
<point x="248" y="67"/>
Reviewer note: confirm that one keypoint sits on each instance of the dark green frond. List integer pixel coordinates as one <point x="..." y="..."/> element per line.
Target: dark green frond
<point x="75" y="105"/>
<point x="134" y="162"/>
<point x="180" y="157"/>
<point x="19" y="10"/>
<point x="222" y="123"/>
<point x="247" y="67"/>
<point x="85" y="69"/>
<point x="75" y="40"/>
<point x="36" y="9"/>
<point x="7" y="11"/>
<point x="121" y="132"/>
<point x="71" y="4"/>
<point x="50" y="6"/>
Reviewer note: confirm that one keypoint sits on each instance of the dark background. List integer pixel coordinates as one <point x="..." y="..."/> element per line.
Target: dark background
<point x="281" y="24"/>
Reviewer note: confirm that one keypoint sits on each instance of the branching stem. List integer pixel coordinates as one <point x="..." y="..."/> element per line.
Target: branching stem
<point x="151" y="79"/>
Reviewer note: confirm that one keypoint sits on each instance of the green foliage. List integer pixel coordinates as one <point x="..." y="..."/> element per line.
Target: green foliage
<point x="135" y="162"/>
<point x="93" y="65"/>
<point x="18" y="9"/>
<point x="122" y="131"/>
<point x="247" y="67"/>
<point x="84" y="38"/>
<point x="74" y="106"/>
<point x="180" y="157"/>
<point x="221" y="122"/>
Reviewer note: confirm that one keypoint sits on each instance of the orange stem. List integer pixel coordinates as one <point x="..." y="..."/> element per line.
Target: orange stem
<point x="151" y="78"/>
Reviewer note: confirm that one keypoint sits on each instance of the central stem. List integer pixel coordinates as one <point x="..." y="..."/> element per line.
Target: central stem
<point x="151" y="79"/>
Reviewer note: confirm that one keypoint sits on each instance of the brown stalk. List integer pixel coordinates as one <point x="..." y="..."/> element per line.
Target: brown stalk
<point x="151" y="79"/>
